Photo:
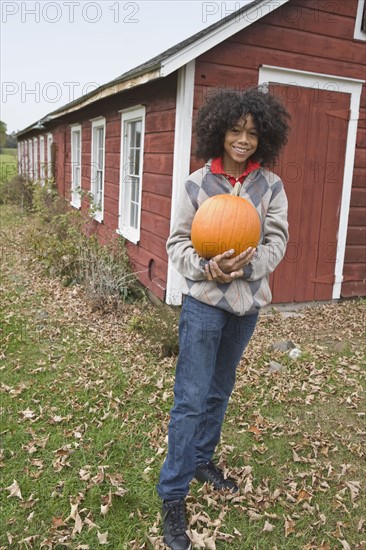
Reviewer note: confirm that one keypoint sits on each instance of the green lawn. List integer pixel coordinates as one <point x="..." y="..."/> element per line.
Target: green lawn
<point x="85" y="404"/>
<point x="8" y="164"/>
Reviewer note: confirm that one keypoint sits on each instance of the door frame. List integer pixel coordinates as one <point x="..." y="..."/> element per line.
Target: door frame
<point x="334" y="83"/>
<point x="182" y="155"/>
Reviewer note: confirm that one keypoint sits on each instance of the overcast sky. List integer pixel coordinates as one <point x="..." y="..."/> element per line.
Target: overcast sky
<point x="55" y="51"/>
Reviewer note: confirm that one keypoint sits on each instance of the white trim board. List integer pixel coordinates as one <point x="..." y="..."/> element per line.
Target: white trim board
<point x="350" y="86"/>
<point x="181" y="163"/>
<point x="359" y="34"/>
<point x="219" y="34"/>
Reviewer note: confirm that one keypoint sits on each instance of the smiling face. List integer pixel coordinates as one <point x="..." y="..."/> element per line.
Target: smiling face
<point x="241" y="142"/>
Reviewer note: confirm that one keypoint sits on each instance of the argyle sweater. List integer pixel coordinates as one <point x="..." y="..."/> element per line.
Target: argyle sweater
<point x="249" y="293"/>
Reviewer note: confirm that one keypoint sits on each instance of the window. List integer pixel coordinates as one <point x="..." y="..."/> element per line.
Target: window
<point x="41" y="160"/>
<point x="76" y="165"/>
<point x="35" y="159"/>
<point x="360" y="23"/>
<point x="97" y="166"/>
<point x="49" y="156"/>
<point x="132" y="152"/>
<point x="30" y="159"/>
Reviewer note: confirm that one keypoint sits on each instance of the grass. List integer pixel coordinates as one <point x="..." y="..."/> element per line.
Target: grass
<point x="85" y="402"/>
<point x="8" y="164"/>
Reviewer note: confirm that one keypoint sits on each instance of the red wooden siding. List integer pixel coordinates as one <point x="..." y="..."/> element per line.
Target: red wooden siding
<point x="148" y="257"/>
<point x="314" y="36"/>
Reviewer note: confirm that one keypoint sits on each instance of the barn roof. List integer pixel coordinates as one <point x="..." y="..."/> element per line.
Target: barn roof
<point x="171" y="59"/>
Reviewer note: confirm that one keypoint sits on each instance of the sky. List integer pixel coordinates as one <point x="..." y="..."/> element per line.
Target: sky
<point x="52" y="52"/>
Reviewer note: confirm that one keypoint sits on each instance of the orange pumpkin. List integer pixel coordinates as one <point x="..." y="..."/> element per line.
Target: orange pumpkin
<point x="225" y="222"/>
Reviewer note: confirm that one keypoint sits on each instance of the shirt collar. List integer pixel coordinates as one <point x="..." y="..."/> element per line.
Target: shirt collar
<point x="217" y="168"/>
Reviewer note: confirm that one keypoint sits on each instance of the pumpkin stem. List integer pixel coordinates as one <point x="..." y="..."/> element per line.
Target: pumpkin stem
<point x="236" y="189"/>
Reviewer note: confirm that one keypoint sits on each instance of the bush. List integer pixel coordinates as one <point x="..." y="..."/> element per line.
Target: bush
<point x="106" y="274"/>
<point x="59" y="240"/>
<point x="18" y="190"/>
<point x="159" y="325"/>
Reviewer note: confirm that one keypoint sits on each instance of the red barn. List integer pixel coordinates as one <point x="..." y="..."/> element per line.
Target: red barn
<point x="129" y="143"/>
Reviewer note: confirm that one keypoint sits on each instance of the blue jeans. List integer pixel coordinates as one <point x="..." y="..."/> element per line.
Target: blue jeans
<point x="211" y="342"/>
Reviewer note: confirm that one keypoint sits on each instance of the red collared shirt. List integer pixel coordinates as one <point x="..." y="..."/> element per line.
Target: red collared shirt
<point x="217" y="168"/>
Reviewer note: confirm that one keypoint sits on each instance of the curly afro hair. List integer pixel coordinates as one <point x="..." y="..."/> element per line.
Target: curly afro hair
<point x="222" y="111"/>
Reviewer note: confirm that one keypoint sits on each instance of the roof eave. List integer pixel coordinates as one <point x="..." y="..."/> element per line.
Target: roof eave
<point x="102" y="92"/>
<point x="111" y="88"/>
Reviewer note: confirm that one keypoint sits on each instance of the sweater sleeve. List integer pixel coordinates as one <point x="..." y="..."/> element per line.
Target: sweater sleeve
<point x="179" y="245"/>
<point x="275" y="237"/>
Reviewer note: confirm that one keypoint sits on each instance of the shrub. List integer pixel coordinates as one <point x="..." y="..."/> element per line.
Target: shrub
<point x="159" y="325"/>
<point x="59" y="239"/>
<point x="106" y="274"/>
<point x="18" y="190"/>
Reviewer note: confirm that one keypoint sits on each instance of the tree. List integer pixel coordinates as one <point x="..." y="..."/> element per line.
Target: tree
<point x="3" y="129"/>
<point x="11" y="140"/>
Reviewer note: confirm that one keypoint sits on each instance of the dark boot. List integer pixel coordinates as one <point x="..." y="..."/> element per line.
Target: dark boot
<point x="212" y="474"/>
<point x="175" y="525"/>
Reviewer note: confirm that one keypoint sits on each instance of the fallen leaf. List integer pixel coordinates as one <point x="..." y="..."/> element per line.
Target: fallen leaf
<point x="254" y="430"/>
<point x="28" y="541"/>
<point x="102" y="537"/>
<point x="304" y="495"/>
<point x="354" y="487"/>
<point x="289" y="526"/>
<point x="57" y="522"/>
<point x="107" y="503"/>
<point x="14" y="490"/>
<point x="27" y="414"/>
<point x="344" y="544"/>
<point x="74" y="515"/>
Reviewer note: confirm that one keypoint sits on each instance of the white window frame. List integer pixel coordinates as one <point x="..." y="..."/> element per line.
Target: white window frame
<point x="41" y="160"/>
<point x="20" y="157"/>
<point x="25" y="159"/>
<point x="359" y="34"/>
<point x="125" y="228"/>
<point x="75" y="201"/>
<point x="30" y="159"/>
<point x="97" y="172"/>
<point x="49" y="156"/>
<point x="35" y="159"/>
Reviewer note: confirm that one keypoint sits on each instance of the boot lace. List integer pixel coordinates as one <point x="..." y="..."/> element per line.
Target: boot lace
<point x="216" y="474"/>
<point x="177" y="518"/>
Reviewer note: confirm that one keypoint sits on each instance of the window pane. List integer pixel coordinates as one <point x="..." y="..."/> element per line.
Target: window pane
<point x="138" y="128"/>
<point x="100" y="147"/>
<point x="132" y="133"/>
<point x="134" y="190"/>
<point x="134" y="215"/>
<point x="131" y="162"/>
<point x="77" y="147"/>
<point x="137" y="162"/>
<point x="98" y="196"/>
<point x="100" y="158"/>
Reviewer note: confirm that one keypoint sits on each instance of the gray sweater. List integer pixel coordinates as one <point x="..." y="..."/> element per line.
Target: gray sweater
<point x="248" y="294"/>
